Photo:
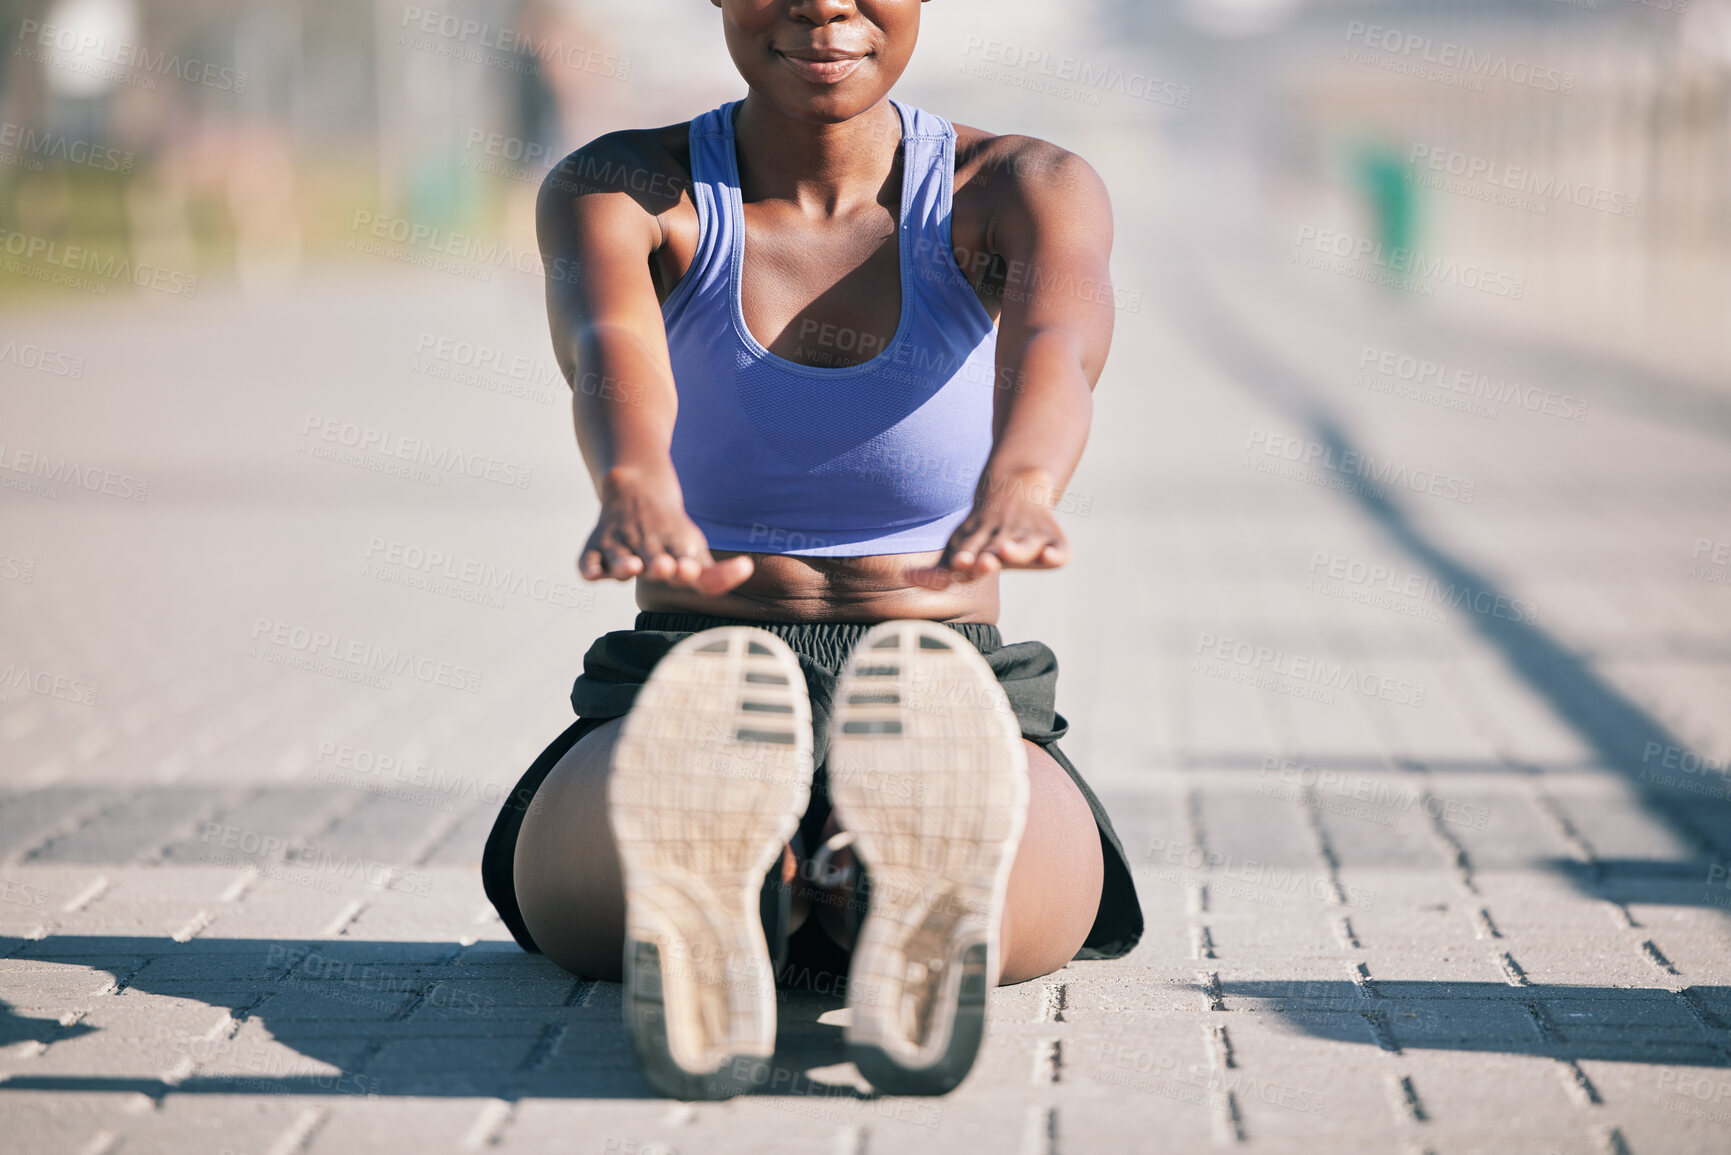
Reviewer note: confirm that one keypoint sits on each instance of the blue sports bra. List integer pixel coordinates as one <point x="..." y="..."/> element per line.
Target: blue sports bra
<point x="876" y="458"/>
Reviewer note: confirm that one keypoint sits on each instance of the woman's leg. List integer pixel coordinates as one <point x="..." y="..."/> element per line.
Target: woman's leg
<point x="1055" y="881"/>
<point x="566" y="870"/>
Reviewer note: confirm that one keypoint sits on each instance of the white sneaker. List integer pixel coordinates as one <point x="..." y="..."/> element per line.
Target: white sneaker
<point x="710" y="778"/>
<point x="928" y="773"/>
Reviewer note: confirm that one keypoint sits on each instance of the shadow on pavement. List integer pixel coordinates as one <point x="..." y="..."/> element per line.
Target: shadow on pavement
<point x="1608" y="1024"/>
<point x="362" y="1018"/>
<point x="1625" y="737"/>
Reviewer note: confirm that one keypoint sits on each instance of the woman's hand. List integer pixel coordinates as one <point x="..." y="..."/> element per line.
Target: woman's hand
<point x="1012" y="527"/>
<point x="644" y="532"/>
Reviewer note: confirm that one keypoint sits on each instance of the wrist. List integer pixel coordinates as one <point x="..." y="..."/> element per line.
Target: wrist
<point x="635" y="477"/>
<point x="1017" y="483"/>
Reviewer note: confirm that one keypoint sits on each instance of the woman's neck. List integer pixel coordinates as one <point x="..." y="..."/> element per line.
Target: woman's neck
<point x="826" y="169"/>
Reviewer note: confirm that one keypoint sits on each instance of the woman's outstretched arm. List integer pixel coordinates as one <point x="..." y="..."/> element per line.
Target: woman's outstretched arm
<point x="1051" y="229"/>
<point x="599" y="219"/>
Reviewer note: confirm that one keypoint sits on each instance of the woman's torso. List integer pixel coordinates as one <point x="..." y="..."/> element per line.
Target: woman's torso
<point x="828" y="294"/>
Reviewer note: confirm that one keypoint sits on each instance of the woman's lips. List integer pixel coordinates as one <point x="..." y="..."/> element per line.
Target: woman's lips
<point x="823" y="71"/>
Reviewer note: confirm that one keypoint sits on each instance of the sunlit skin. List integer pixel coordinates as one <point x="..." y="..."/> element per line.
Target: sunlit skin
<point x="820" y="172"/>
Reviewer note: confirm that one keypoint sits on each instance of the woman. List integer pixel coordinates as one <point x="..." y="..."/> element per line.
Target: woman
<point x="831" y="374"/>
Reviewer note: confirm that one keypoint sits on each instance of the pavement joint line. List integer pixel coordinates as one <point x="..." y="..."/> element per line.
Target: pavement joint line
<point x="194" y="926"/>
<point x="299" y="1133"/>
<point x="1548" y="807"/>
<point x="1701" y="1011"/>
<point x="120" y="982"/>
<point x="1053" y="1001"/>
<point x="1323" y="844"/>
<point x="1577" y="1085"/>
<point x="100" y="1143"/>
<point x="1201" y="942"/>
<point x="344" y="919"/>
<point x="439" y="831"/>
<point x="582" y="990"/>
<point x="1209" y="981"/>
<point x="1404" y="1099"/>
<point x="1611" y="1138"/>
<point x="1048" y="1062"/>
<point x="95" y="890"/>
<point x="1380" y="1034"/>
<point x="1484" y="926"/>
<point x="1361" y="980"/>
<point x="1193" y="829"/>
<point x="489" y="1123"/>
<point x="1226" y="1119"/>
<point x="1543" y="1023"/>
<point x="1196" y="899"/>
<point x="546" y="1048"/>
<point x="1454" y="853"/>
<point x="201" y="817"/>
<point x="1657" y="957"/>
<point x="408" y="1009"/>
<point x="1040" y="1131"/>
<point x="1345" y="935"/>
<point x="1513" y="973"/>
<point x="1219" y="1043"/>
<point x="79" y="815"/>
<point x="237" y="889"/>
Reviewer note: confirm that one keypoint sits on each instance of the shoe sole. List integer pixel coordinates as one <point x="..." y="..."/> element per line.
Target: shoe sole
<point x="710" y="777"/>
<point x="928" y="772"/>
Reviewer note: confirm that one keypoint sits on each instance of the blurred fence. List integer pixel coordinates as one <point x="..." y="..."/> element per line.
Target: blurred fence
<point x="1590" y="157"/>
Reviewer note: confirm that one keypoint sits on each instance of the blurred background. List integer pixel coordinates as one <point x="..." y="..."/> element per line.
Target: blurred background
<point x="289" y="502"/>
<point x="233" y="142"/>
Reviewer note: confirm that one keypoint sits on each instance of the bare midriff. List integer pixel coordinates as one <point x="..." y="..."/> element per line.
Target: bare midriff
<point x="833" y="589"/>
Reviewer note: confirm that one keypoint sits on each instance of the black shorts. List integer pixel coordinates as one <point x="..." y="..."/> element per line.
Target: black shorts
<point x="619" y="662"/>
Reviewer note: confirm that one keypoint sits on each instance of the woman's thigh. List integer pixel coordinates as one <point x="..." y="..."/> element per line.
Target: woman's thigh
<point x="1057" y="877"/>
<point x="566" y="870"/>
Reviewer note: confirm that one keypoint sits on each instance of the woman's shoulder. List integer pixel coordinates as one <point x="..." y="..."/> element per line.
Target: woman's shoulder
<point x="652" y="165"/>
<point x="986" y="160"/>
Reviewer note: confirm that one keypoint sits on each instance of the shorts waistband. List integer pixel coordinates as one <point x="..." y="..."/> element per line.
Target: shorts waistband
<point x="819" y="640"/>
